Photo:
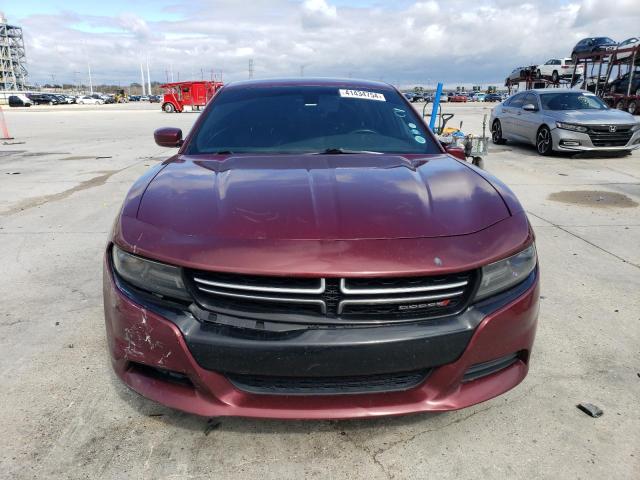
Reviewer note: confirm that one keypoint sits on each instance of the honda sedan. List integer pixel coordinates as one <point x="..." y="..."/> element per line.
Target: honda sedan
<point x="563" y="120"/>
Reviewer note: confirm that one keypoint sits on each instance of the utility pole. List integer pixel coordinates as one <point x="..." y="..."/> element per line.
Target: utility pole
<point x="250" y="68"/>
<point x="90" y="81"/>
<point x="143" y="82"/>
<point x="171" y="70"/>
<point x="148" y="77"/>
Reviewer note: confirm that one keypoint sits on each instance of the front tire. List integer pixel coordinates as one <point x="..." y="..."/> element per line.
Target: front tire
<point x="496" y="133"/>
<point x="555" y="77"/>
<point x="168" y="107"/>
<point x="544" y="142"/>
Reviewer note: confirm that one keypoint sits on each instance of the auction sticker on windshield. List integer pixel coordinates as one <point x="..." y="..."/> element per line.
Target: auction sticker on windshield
<point x="362" y="94"/>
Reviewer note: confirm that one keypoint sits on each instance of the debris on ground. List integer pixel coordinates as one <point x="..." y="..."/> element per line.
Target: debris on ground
<point x="12" y="173"/>
<point x="590" y="409"/>
<point x="212" y="424"/>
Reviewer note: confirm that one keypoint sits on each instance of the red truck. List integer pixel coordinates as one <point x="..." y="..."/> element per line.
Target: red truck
<point x="188" y="96"/>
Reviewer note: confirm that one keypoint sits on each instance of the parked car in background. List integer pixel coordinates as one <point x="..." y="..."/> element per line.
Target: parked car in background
<point x="155" y="99"/>
<point x="251" y="274"/>
<point x="479" y="97"/>
<point x="493" y="97"/>
<point x="409" y="96"/>
<point x="627" y="44"/>
<point x="43" y="99"/>
<point x="593" y="45"/>
<point x="144" y="98"/>
<point x="563" y="120"/>
<point x="458" y="97"/>
<point x="621" y="85"/>
<point x="89" y="100"/>
<point x="558" y="68"/>
<point x="19" y="100"/>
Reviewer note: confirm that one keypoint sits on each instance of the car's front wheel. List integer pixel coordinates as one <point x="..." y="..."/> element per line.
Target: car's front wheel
<point x="496" y="133"/>
<point x="544" y="143"/>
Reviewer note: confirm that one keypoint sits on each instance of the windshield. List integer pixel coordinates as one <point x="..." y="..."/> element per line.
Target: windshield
<point x="310" y="119"/>
<point x="571" y="101"/>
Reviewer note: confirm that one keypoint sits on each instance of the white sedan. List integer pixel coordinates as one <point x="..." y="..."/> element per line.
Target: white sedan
<point x="87" y="100"/>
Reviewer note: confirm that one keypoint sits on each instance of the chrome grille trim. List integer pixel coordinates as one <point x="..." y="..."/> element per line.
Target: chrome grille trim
<point x="389" y="291"/>
<point x="259" y="288"/>
<point x="398" y="300"/>
<point x="319" y="303"/>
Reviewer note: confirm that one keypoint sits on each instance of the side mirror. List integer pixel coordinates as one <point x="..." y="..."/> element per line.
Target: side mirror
<point x="530" y="107"/>
<point x="168" y="137"/>
<point x="456" y="152"/>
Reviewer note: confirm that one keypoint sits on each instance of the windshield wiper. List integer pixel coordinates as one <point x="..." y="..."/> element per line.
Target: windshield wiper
<point x="341" y="151"/>
<point x="223" y="152"/>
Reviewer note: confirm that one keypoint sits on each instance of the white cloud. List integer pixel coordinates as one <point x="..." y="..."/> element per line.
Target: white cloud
<point x="455" y="41"/>
<point x="317" y="13"/>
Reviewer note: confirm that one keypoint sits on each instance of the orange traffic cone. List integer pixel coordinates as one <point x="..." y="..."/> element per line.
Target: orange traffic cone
<point x="3" y="126"/>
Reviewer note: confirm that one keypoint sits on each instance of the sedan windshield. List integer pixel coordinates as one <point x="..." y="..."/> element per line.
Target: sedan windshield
<point x="310" y="119"/>
<point x="571" y="101"/>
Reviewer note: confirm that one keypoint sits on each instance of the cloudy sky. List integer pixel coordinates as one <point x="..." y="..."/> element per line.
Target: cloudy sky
<point x="401" y="42"/>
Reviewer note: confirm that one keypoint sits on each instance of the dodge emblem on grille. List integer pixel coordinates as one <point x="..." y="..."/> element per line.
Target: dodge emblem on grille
<point x="416" y="306"/>
<point x="612" y="128"/>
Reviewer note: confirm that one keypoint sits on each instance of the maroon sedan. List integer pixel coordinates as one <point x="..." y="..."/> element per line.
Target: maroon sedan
<point x="312" y="251"/>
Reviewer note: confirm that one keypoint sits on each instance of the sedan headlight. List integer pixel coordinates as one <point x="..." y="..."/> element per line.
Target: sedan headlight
<point x="636" y="127"/>
<point x="502" y="275"/>
<point x="572" y="127"/>
<point x="155" y="277"/>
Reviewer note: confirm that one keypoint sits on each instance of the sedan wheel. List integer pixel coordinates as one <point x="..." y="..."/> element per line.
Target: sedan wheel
<point x="496" y="133"/>
<point x="543" y="141"/>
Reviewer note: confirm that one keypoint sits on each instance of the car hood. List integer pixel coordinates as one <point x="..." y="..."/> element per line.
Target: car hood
<point x="594" y="117"/>
<point x="320" y="197"/>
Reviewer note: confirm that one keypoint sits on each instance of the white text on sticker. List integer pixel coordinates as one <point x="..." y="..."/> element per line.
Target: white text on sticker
<point x="362" y="94"/>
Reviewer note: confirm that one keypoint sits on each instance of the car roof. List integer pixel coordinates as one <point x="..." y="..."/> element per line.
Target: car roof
<point x="311" y="82"/>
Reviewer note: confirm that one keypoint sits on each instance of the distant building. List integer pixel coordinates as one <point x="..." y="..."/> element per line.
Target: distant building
<point x="13" y="71"/>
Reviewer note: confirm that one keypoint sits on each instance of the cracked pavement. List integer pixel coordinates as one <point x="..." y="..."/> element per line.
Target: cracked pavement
<point x="65" y="414"/>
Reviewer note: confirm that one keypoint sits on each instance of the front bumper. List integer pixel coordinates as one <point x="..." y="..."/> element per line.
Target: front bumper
<point x="569" y="141"/>
<point x="142" y="336"/>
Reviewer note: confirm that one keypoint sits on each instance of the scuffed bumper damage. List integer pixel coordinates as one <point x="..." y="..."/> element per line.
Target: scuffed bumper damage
<point x="151" y="354"/>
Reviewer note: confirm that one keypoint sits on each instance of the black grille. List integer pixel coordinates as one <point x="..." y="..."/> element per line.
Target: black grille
<point x="267" y="385"/>
<point x="332" y="300"/>
<point x="602" y="136"/>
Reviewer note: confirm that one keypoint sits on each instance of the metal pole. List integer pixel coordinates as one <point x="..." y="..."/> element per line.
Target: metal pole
<point x="148" y="77"/>
<point x="90" y="80"/>
<point x="144" y="92"/>
<point x="599" y="73"/>
<point x="632" y="68"/>
<point x="436" y="104"/>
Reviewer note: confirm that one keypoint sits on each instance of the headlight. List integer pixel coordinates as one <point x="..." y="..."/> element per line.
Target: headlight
<point x="571" y="126"/>
<point x="154" y="277"/>
<point x="502" y="275"/>
<point x="636" y="127"/>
